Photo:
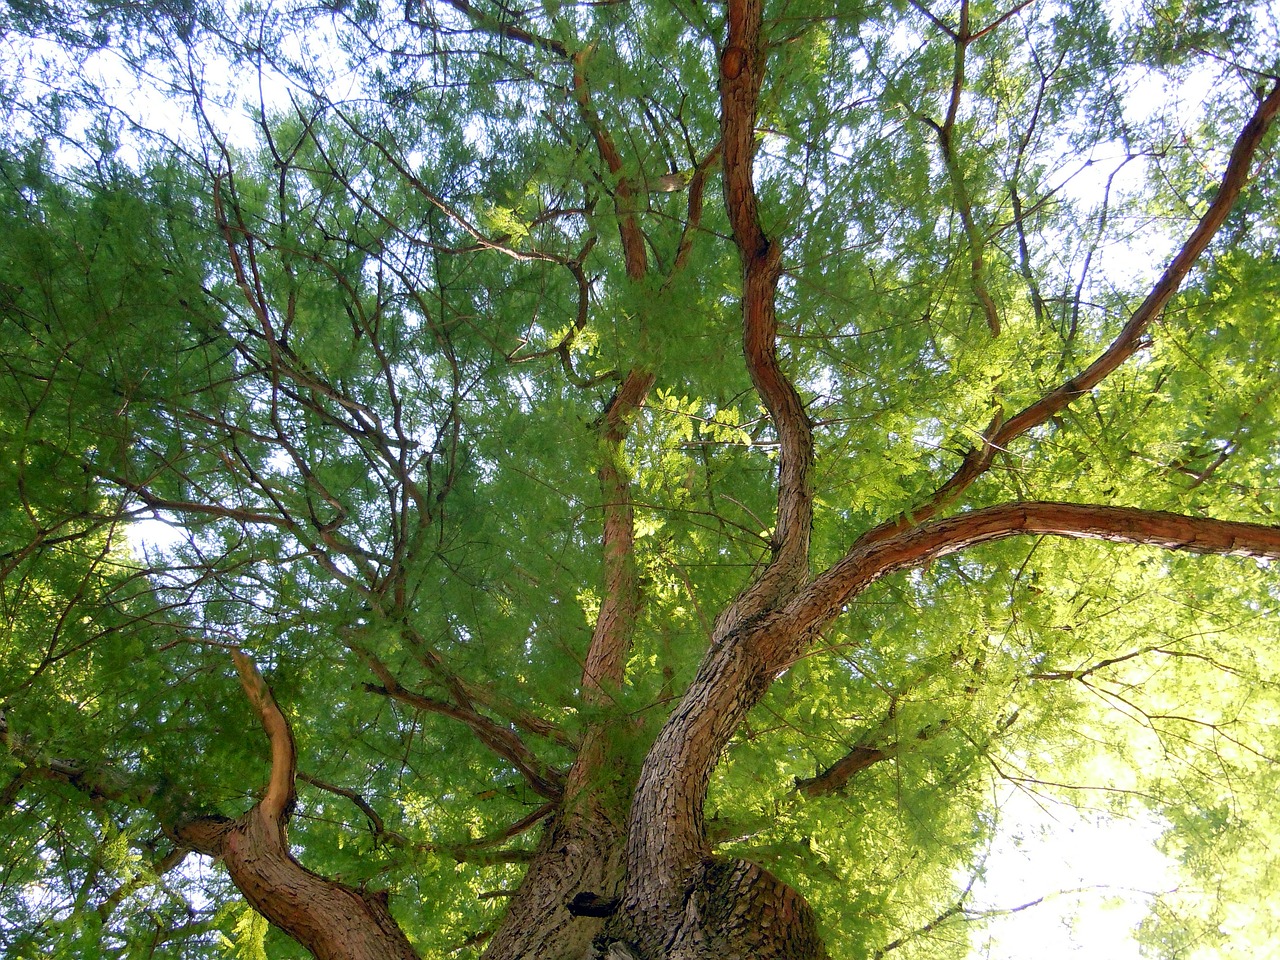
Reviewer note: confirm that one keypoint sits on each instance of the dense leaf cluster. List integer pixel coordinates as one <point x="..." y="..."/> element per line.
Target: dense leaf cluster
<point x="351" y="331"/>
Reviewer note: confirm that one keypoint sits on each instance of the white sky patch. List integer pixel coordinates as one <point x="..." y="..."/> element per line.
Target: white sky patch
<point x="154" y="538"/>
<point x="1097" y="876"/>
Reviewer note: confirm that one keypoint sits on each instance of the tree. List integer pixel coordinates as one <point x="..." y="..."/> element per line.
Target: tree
<point x="642" y="478"/>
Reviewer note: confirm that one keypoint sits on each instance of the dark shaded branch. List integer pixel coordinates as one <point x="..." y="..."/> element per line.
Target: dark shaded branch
<point x="960" y="190"/>
<point x="473" y="851"/>
<point x="934" y="18"/>
<point x="1008" y="14"/>
<point x="97" y="782"/>
<point x="508" y="30"/>
<point x="863" y="755"/>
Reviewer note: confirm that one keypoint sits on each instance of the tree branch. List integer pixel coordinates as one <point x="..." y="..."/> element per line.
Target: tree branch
<point x="874" y="556"/>
<point x="278" y="801"/>
<point x="545" y="781"/>
<point x="620" y="605"/>
<point x="1001" y="432"/>
<point x="331" y="920"/>
<point x="624" y="193"/>
<point x="742" y="66"/>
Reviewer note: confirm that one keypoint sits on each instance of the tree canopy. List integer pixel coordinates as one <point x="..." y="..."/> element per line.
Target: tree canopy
<point x="638" y="480"/>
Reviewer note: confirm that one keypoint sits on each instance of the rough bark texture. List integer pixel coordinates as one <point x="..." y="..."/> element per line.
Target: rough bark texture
<point x="580" y="853"/>
<point x="679" y="901"/>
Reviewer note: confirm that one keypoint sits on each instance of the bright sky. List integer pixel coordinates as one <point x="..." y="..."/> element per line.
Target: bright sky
<point x="1098" y="876"/>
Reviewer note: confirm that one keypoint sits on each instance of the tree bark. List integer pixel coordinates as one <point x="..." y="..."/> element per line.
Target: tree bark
<point x="333" y="921"/>
<point x="679" y="901"/>
<point x="580" y="854"/>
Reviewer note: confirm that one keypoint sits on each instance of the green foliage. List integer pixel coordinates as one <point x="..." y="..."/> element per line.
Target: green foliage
<point x="355" y="355"/>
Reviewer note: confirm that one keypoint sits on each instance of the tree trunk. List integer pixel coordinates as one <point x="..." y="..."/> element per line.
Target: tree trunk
<point x="578" y="861"/>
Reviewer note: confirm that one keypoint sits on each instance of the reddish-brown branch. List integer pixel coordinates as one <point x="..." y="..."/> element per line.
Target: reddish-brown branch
<point x="602" y="672"/>
<point x="1131" y="336"/>
<point x="873" y="556"/>
<point x="278" y="801"/>
<point x="741" y="74"/>
<point x="693" y="221"/>
<point x="634" y="250"/>
<point x="331" y="920"/>
<point x="666" y="842"/>
<point x="738" y="670"/>
<point x="1002" y="432"/>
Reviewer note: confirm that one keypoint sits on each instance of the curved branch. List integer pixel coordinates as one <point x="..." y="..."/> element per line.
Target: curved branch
<point x="1130" y="339"/>
<point x="874" y="556"/>
<point x="331" y="920"/>
<point x="620" y="605"/>
<point x="278" y="801"/>
<point x="624" y="193"/>
<point x="742" y="66"/>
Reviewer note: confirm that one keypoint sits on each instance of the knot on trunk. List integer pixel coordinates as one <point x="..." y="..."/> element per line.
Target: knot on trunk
<point x="729" y="910"/>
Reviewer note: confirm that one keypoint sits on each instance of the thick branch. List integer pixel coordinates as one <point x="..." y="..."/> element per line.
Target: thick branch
<point x="621" y="602"/>
<point x="874" y="556"/>
<point x="331" y="920"/>
<point x="667" y="826"/>
<point x="1131" y="336"/>
<point x="633" y="242"/>
<point x="742" y="65"/>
